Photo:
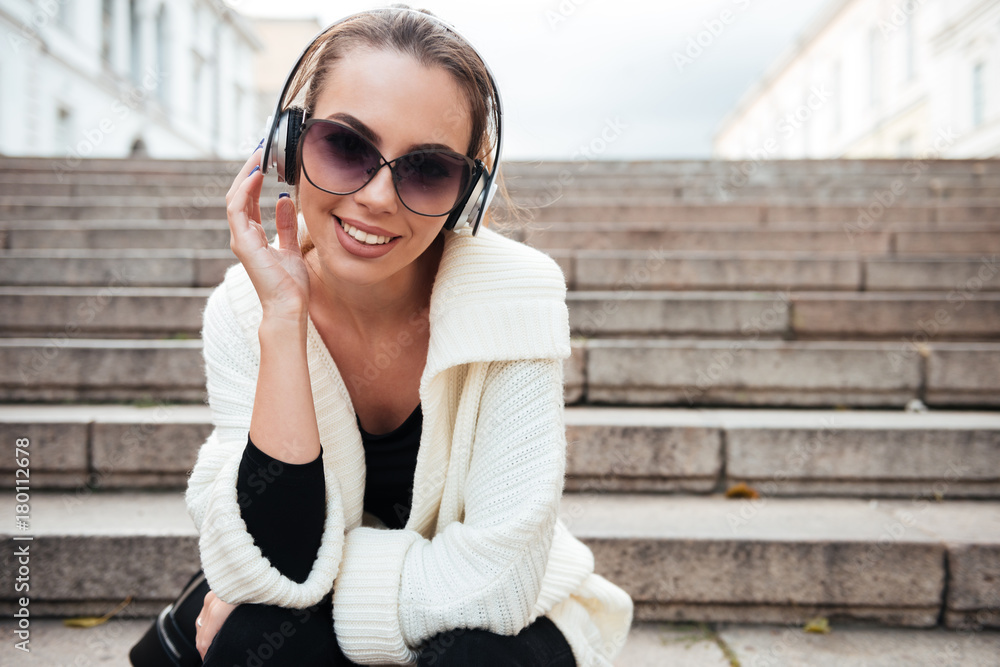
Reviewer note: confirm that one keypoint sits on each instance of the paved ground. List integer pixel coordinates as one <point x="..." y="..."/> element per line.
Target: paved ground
<point x="650" y="645"/>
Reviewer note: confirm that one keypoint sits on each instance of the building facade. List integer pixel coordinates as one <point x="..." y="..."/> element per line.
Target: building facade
<point x="283" y="41"/>
<point x="878" y="78"/>
<point x="113" y="78"/>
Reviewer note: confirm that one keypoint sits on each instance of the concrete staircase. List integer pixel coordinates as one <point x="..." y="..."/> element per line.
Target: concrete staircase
<point x="760" y="335"/>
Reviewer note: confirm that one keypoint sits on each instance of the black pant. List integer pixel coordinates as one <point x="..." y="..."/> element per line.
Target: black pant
<point x="255" y="635"/>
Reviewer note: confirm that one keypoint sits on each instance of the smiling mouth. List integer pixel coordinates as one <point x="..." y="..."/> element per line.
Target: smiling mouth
<point x="364" y="237"/>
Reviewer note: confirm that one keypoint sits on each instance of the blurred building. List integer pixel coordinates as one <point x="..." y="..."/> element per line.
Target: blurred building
<point x="878" y="78"/>
<point x="112" y="78"/>
<point x="283" y="41"/>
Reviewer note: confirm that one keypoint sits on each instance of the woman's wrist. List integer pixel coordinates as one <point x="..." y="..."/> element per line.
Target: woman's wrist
<point x="283" y="424"/>
<point x="280" y="323"/>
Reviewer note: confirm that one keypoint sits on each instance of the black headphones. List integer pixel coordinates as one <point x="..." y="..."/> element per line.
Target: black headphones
<point x="284" y="127"/>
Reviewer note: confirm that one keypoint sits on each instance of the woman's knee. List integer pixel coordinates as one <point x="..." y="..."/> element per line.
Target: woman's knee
<point x="540" y="644"/>
<point x="461" y="646"/>
<point x="259" y="635"/>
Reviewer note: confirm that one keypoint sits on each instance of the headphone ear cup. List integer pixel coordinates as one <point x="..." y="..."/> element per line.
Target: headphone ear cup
<point x="467" y="203"/>
<point x="292" y="134"/>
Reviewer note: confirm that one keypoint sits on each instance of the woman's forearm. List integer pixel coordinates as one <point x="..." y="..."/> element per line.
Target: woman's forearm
<point x="283" y="424"/>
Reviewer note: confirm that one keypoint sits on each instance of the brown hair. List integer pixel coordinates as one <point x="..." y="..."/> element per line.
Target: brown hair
<point x="430" y="43"/>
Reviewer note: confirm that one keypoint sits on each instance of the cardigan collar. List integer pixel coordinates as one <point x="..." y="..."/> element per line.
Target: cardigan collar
<point x="495" y="299"/>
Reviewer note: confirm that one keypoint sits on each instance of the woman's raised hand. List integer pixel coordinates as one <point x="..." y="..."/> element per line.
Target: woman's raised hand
<point x="278" y="274"/>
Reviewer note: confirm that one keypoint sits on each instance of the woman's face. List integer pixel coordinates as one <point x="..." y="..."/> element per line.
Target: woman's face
<point x="404" y="105"/>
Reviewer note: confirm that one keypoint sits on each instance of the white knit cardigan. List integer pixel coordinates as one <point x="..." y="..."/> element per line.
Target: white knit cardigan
<point x="483" y="547"/>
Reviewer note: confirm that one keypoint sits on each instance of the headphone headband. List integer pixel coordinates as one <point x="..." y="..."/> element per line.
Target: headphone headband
<point x="284" y="125"/>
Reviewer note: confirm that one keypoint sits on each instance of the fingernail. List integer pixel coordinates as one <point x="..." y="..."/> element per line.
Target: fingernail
<point x="283" y="194"/>
<point x="258" y="147"/>
<point x="255" y="170"/>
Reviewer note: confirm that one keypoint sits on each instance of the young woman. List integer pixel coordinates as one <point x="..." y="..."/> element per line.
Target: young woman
<point x="383" y="480"/>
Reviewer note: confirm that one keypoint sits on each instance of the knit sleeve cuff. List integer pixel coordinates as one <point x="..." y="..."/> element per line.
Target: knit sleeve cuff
<point x="366" y="596"/>
<point x="234" y="566"/>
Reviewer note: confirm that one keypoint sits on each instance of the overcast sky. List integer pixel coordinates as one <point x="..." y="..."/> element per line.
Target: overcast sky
<point x="570" y="70"/>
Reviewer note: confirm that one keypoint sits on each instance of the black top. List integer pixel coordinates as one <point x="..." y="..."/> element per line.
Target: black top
<point x="390" y="459"/>
<point x="284" y="504"/>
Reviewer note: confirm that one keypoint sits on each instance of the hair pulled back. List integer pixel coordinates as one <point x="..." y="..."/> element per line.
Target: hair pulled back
<point x="422" y="36"/>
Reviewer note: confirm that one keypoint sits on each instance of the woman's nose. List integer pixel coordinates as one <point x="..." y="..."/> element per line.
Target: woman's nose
<point x="379" y="194"/>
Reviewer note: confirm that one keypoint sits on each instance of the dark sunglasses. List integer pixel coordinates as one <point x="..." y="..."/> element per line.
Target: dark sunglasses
<point x="337" y="159"/>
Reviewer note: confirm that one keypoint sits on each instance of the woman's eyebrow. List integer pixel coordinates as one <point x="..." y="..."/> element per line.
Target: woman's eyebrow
<point x="372" y="136"/>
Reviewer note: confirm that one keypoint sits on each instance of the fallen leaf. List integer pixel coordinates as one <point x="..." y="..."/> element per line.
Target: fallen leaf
<point x="741" y="490"/>
<point x="93" y="621"/>
<point x="818" y="625"/>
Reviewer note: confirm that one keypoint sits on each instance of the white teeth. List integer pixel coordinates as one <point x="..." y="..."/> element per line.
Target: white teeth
<point x="364" y="237"/>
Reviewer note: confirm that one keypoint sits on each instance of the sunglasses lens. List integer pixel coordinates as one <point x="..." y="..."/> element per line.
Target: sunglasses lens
<point x="337" y="159"/>
<point x="430" y="182"/>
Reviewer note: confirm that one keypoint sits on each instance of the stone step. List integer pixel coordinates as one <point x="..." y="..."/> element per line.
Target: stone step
<point x="750" y="372"/>
<point x="197" y="206"/>
<point x="681" y="372"/>
<point x="713" y="176"/>
<point x="658" y="269"/>
<point x="779" y="453"/>
<point x="115" y="269"/>
<point x="787" y="187"/>
<point x="72" y="235"/>
<point x="215" y="187"/>
<point x="758" y="169"/>
<point x="113" y="311"/>
<point x="632" y="270"/>
<point x="799" y="195"/>
<point x="522" y="228"/>
<point x="192" y="206"/>
<point x="853" y="214"/>
<point x="770" y="560"/>
<point x="913" y="316"/>
<point x="961" y="238"/>
<point x="784" y="452"/>
<point x="649" y="644"/>
<point x="164" y="312"/>
<point x="108" y="446"/>
<point x="900" y="241"/>
<point x="537" y="192"/>
<point x="64" y="368"/>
